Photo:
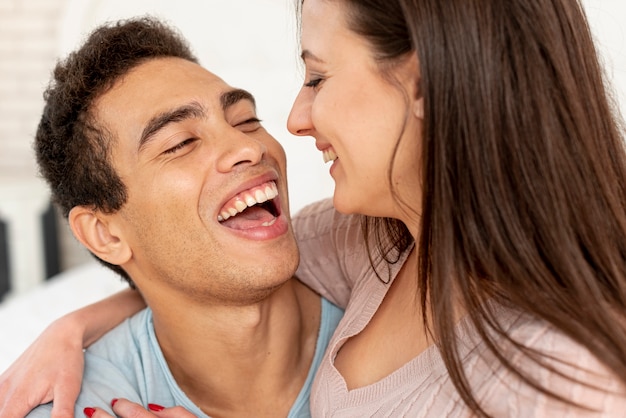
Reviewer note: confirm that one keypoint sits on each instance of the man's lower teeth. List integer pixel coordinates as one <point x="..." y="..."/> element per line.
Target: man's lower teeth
<point x="269" y="223"/>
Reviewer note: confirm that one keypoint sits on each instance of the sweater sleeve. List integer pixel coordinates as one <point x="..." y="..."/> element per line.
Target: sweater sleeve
<point x="570" y="371"/>
<point x="331" y="250"/>
<point x="579" y="378"/>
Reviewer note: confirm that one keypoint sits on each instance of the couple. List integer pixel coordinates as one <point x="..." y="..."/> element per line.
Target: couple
<point x="488" y="280"/>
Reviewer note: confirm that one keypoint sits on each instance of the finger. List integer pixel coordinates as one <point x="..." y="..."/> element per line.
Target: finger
<point x="126" y="409"/>
<point x="65" y="394"/>
<point x="15" y="403"/>
<point x="95" y="413"/>
<point x="14" y="410"/>
<point x="174" y="412"/>
<point x="20" y="411"/>
<point x="18" y="405"/>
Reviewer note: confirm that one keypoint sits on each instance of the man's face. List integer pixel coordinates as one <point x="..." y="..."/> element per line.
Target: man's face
<point x="192" y="155"/>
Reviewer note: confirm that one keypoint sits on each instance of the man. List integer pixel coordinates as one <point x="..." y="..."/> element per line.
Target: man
<point x="166" y="175"/>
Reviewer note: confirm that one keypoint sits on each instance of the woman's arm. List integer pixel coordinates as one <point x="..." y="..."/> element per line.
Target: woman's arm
<point x="52" y="367"/>
<point x="100" y="317"/>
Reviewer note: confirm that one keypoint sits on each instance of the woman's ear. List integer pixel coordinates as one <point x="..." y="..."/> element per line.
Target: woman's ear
<point x="418" y="107"/>
<point x="96" y="231"/>
<point x="413" y="77"/>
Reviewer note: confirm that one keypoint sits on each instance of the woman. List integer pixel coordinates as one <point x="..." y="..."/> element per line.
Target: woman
<point x="507" y="171"/>
<point x="478" y="139"/>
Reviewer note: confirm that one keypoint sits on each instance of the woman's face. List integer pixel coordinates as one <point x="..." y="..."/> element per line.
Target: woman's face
<point x="356" y="115"/>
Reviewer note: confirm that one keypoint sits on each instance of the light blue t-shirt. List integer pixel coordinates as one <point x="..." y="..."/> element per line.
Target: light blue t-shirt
<point x="127" y="362"/>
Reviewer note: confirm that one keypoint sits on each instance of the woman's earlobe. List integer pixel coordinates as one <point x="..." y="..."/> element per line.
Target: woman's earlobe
<point x="418" y="108"/>
<point x="94" y="231"/>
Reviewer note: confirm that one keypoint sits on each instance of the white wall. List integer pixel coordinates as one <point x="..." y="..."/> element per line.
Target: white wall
<point x="608" y="22"/>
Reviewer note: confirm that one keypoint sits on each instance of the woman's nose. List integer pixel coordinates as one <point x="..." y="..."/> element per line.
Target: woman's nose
<point x="299" y="121"/>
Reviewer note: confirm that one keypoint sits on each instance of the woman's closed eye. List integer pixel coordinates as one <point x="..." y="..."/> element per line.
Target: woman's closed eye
<point x="314" y="82"/>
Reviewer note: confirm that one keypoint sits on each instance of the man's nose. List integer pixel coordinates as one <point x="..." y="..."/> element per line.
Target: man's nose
<point x="238" y="149"/>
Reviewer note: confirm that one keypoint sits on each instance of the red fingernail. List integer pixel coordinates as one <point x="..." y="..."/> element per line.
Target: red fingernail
<point x="89" y="411"/>
<point x="155" y="407"/>
<point x="113" y="402"/>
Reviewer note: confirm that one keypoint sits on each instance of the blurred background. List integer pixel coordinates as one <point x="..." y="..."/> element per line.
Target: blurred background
<point x="250" y="43"/>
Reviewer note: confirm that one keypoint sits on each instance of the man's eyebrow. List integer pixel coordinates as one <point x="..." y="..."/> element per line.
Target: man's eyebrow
<point x="160" y="121"/>
<point x="231" y="97"/>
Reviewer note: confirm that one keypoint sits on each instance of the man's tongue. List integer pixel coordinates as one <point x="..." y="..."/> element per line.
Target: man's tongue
<point x="252" y="217"/>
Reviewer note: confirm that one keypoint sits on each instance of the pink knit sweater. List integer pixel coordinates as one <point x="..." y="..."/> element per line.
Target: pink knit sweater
<point x="334" y="263"/>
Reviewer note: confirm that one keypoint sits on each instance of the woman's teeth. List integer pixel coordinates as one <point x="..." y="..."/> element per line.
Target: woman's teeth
<point x="329" y="155"/>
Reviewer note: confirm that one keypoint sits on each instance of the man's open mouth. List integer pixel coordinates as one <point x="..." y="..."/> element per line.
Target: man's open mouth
<point x="253" y="208"/>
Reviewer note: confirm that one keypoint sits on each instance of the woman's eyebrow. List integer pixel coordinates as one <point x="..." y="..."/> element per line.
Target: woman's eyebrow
<point x="308" y="55"/>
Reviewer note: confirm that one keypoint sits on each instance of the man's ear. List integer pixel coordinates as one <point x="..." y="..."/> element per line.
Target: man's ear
<point x="97" y="232"/>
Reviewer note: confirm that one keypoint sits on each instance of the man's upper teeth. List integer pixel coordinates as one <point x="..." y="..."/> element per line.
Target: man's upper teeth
<point x="329" y="155"/>
<point x="248" y="198"/>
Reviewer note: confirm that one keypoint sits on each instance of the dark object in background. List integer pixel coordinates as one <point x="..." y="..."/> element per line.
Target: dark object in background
<point x="4" y="260"/>
<point x="50" y="242"/>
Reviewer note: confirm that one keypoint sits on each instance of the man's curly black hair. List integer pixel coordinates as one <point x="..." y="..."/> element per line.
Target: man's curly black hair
<point x="72" y="149"/>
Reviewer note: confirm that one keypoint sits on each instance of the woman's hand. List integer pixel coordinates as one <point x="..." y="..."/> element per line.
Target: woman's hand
<point x="126" y="409"/>
<point x="51" y="368"/>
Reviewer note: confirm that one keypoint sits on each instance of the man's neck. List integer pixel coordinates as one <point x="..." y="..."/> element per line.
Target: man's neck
<point x="234" y="360"/>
